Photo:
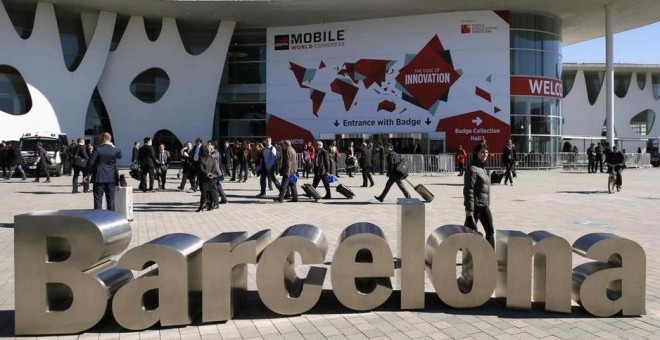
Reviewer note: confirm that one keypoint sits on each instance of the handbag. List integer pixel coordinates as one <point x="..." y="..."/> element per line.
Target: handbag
<point x="470" y="223"/>
<point x="80" y="162"/>
<point x="330" y="179"/>
<point x="293" y="178"/>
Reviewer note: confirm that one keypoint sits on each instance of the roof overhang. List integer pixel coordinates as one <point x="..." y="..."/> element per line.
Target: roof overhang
<point x="582" y="20"/>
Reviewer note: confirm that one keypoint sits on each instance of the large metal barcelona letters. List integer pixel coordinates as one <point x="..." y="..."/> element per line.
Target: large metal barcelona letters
<point x="63" y="281"/>
<point x="66" y="281"/>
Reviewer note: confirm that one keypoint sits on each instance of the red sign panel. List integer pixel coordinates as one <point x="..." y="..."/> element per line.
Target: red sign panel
<point x="471" y="128"/>
<point x="536" y="86"/>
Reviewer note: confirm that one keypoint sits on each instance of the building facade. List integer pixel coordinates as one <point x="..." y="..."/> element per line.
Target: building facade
<point x="146" y="72"/>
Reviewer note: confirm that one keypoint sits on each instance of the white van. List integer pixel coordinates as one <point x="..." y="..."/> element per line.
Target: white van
<point x="52" y="142"/>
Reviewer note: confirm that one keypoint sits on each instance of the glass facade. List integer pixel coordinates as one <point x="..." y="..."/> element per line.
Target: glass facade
<point x="621" y="83"/>
<point x="97" y="120"/>
<point x="536" y="50"/>
<point x="642" y="123"/>
<point x="655" y="83"/>
<point x="72" y="37"/>
<point x="14" y="95"/>
<point x="150" y="85"/>
<point x="240" y="112"/>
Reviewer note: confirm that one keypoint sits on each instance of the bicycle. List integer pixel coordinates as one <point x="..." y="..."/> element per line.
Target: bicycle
<point x="611" y="179"/>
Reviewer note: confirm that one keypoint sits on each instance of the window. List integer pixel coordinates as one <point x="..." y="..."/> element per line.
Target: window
<point x="641" y="80"/>
<point x="14" y="95"/>
<point x="71" y="36"/>
<point x="150" y="85"/>
<point x="642" y="123"/>
<point x="568" y="78"/>
<point x="622" y="83"/>
<point x="120" y="27"/>
<point x="21" y="14"/>
<point x="196" y="37"/>
<point x="655" y="83"/>
<point x="536" y="63"/>
<point x="594" y="80"/>
<point x="97" y="120"/>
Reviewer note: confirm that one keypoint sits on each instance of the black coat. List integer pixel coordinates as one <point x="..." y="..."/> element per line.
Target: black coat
<point x="366" y="159"/>
<point x="322" y="163"/>
<point x="147" y="157"/>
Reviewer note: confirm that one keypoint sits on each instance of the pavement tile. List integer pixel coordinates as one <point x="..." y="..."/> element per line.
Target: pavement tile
<point x="568" y="204"/>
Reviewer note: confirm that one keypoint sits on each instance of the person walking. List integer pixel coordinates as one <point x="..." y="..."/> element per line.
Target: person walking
<point x="461" y="158"/>
<point x="80" y="157"/>
<point x="366" y="165"/>
<point x="476" y="193"/>
<point x="15" y="161"/>
<point x="147" y="160"/>
<point x="163" y="164"/>
<point x="268" y="161"/>
<point x="136" y="152"/>
<point x="350" y="160"/>
<point x="101" y="170"/>
<point x="321" y="168"/>
<point x="187" y="168"/>
<point x="509" y="159"/>
<point x="393" y="175"/>
<point x="205" y="177"/>
<point x="41" y="161"/>
<point x="289" y="168"/>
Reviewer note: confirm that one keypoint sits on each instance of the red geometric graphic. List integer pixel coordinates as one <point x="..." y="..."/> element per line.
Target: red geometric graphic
<point x="470" y="128"/>
<point x="317" y="99"/>
<point x="279" y="129"/>
<point x="370" y="71"/>
<point x="482" y="93"/>
<point x="465" y="28"/>
<point x="429" y="75"/>
<point x="299" y="73"/>
<point x="387" y="105"/>
<point x="345" y="90"/>
<point x="321" y="65"/>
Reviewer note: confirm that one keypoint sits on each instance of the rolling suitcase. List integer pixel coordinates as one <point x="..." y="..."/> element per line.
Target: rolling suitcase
<point x="345" y="191"/>
<point x="422" y="191"/>
<point x="496" y="177"/>
<point x="311" y="192"/>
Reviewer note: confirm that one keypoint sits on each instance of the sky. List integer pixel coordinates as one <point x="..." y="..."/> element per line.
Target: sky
<point x="637" y="46"/>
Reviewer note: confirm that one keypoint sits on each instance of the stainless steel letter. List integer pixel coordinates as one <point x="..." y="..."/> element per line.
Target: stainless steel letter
<point x="225" y="258"/>
<point x="278" y="285"/>
<point x="366" y="284"/>
<point x="410" y="249"/>
<point x="54" y="250"/>
<point x="162" y="294"/>
<point x="479" y="270"/>
<point x="616" y="282"/>
<point x="552" y="270"/>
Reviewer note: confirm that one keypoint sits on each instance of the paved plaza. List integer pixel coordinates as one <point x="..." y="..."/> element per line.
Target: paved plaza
<point x="568" y="204"/>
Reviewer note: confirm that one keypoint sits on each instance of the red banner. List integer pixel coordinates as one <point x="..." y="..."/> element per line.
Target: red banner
<point x="471" y="128"/>
<point x="536" y="86"/>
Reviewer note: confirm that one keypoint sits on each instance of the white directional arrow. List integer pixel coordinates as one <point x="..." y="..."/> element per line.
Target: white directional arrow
<point x="477" y="121"/>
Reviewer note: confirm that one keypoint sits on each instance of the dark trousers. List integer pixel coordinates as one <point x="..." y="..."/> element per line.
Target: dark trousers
<point x="14" y="167"/>
<point x="162" y="176"/>
<point x="76" y="172"/>
<point x="66" y="167"/>
<point x="286" y="186"/>
<point x="591" y="166"/>
<point x="219" y="192"/>
<point x="599" y="163"/>
<point x="270" y="176"/>
<point x="109" y="190"/>
<point x="234" y="166"/>
<point x="42" y="166"/>
<point x="483" y="215"/>
<point x="366" y="176"/>
<point x="315" y="182"/>
<point x="507" y="173"/>
<point x="461" y="167"/>
<point x="390" y="181"/>
<point x="143" y="180"/>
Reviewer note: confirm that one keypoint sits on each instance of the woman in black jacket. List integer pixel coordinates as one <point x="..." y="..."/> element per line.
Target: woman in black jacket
<point x="476" y="193"/>
<point x="206" y="170"/>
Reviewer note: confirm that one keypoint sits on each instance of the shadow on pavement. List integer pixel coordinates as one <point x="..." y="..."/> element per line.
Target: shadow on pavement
<point x="585" y="192"/>
<point x="7" y="225"/>
<point x="40" y="192"/>
<point x="6" y="323"/>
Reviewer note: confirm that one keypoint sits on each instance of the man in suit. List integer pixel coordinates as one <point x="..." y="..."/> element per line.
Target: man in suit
<point x="366" y="165"/>
<point x="195" y="156"/>
<point x="163" y="163"/>
<point x="321" y="168"/>
<point x="79" y="151"/>
<point x="102" y="168"/>
<point x="393" y="176"/>
<point x="147" y="160"/>
<point x="289" y="167"/>
<point x="15" y="161"/>
<point x="136" y="151"/>
<point x="41" y="161"/>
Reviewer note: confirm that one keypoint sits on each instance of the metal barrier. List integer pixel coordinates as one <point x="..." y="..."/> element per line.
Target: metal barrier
<point x="580" y="161"/>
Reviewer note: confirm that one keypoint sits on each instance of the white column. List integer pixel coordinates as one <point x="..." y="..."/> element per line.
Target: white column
<point x="609" y="75"/>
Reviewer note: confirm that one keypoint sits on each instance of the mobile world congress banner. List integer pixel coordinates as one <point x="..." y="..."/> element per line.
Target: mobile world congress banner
<point x="446" y="72"/>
